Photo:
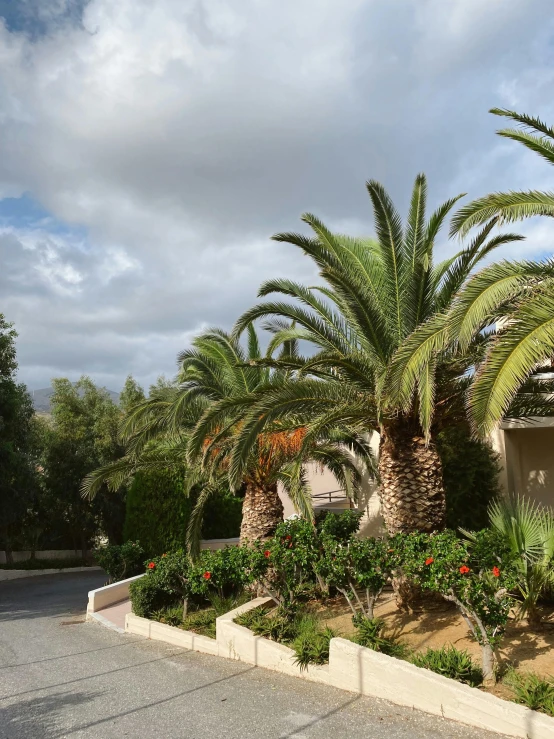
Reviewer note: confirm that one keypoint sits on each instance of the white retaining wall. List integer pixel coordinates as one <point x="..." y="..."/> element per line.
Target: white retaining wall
<point x="42" y="554"/>
<point x="109" y="595"/>
<point x="359" y="670"/>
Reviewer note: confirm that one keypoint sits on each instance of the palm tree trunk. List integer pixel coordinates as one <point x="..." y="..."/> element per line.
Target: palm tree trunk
<point x="412" y="490"/>
<point x="262" y="511"/>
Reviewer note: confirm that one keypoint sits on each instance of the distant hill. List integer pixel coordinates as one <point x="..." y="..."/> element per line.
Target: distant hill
<point x="41" y="398"/>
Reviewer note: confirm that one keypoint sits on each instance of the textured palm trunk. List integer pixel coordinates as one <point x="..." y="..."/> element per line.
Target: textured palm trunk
<point x="411" y="490"/>
<point x="262" y="511"/>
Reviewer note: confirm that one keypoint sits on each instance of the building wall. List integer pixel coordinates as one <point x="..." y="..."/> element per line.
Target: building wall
<point x="528" y="461"/>
<point x="323" y="481"/>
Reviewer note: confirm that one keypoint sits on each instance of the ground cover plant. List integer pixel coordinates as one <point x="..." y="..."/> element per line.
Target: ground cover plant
<point x="532" y="691"/>
<point x="451" y="662"/>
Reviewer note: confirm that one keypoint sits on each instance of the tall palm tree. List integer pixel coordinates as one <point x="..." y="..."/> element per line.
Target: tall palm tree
<point x="520" y="294"/>
<point x="194" y="423"/>
<point x="375" y="295"/>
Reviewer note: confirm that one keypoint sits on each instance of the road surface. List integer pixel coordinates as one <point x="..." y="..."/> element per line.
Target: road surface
<point x="63" y="677"/>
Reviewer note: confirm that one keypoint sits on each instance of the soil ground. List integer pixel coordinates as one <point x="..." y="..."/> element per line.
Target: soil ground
<point x="440" y="625"/>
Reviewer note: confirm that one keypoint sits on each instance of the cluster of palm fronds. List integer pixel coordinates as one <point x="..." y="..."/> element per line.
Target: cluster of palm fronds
<point x="399" y="344"/>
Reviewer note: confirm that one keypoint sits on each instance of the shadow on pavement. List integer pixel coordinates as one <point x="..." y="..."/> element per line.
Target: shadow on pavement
<point x="39" y="717"/>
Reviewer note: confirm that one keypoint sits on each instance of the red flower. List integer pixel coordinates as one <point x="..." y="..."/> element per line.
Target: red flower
<point x="496" y="571"/>
<point x="207" y="575"/>
<point x="267" y="554"/>
<point x="429" y="561"/>
<point x="288" y="536"/>
<point x="464" y="570"/>
<point x="151" y="565"/>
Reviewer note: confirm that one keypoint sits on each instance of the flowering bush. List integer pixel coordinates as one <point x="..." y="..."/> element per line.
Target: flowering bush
<point x="477" y="576"/>
<point x="359" y="564"/>
<point x="284" y="564"/>
<point x="225" y="572"/>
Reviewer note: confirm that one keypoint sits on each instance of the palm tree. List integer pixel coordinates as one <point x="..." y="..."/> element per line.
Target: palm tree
<point x="194" y="423"/>
<point x="520" y="294"/>
<point x="360" y="323"/>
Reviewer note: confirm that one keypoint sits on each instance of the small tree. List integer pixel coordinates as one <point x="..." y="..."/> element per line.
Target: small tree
<point x="360" y="565"/>
<point x="477" y="576"/>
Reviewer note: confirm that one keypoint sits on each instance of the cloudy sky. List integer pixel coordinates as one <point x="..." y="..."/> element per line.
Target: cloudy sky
<point x="148" y="150"/>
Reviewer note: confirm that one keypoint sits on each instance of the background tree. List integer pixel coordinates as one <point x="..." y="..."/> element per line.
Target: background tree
<point x="18" y="445"/>
<point x="82" y="434"/>
<point x="360" y="321"/>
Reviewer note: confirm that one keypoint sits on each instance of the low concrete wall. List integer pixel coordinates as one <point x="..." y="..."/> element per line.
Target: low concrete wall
<point x="359" y="670"/>
<point x="18" y="574"/>
<point x="170" y="635"/>
<point x="109" y="594"/>
<point x="43" y="554"/>
<point x="237" y="642"/>
<point x="218" y="543"/>
<point x="364" y="671"/>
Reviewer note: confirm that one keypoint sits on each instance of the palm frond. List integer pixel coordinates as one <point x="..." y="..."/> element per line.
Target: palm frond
<point x="512" y="358"/>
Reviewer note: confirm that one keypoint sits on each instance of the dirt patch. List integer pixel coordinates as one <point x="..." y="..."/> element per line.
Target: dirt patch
<point x="441" y="624"/>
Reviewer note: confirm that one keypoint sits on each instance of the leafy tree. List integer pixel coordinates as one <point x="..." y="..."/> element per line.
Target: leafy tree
<point x="18" y="469"/>
<point x="82" y="434"/>
<point x="131" y="395"/>
<point x="361" y="322"/>
<point x="520" y="293"/>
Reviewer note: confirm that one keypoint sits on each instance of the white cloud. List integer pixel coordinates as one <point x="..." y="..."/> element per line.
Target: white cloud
<point x="179" y="135"/>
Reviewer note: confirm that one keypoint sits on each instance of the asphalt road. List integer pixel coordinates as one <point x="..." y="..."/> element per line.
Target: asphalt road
<point x="63" y="677"/>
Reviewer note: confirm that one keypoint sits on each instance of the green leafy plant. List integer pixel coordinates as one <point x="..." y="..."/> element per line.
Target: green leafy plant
<point x="120" y="561"/>
<point x="147" y="597"/>
<point x="339" y="526"/>
<point x="532" y="691"/>
<point x="311" y="643"/>
<point x="369" y="633"/>
<point x="529" y="531"/>
<point x="359" y="565"/>
<point x="173" y="615"/>
<point x="477" y="576"/>
<point x="451" y="662"/>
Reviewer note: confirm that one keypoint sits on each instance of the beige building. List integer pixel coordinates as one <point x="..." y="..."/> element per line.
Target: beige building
<point x="526" y="455"/>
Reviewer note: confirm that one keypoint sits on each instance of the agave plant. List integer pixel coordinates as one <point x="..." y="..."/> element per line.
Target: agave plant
<point x="359" y="323"/>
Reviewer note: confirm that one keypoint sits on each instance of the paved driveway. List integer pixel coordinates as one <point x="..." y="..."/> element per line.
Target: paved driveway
<point x="63" y="677"/>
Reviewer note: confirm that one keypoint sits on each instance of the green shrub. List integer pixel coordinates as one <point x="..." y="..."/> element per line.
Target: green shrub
<point x="288" y="566"/>
<point x="224" y="572"/>
<point x="120" y="561"/>
<point x="532" y="691"/>
<point x="359" y="564"/>
<point x="340" y="526"/>
<point x="450" y="662"/>
<point x="147" y="596"/>
<point x="158" y="512"/>
<point x="369" y="633"/>
<point x="477" y="576"/>
<point x="311" y="644"/>
<point x="470" y="473"/>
